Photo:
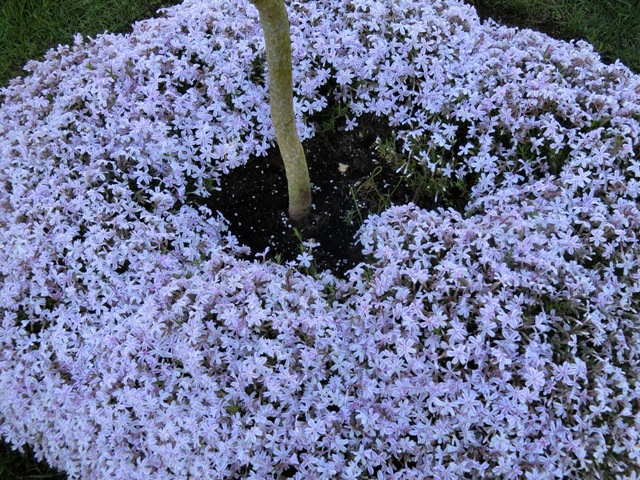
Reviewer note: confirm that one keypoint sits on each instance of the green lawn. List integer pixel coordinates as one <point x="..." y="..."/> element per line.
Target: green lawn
<point x="611" y="26"/>
<point x="28" y="28"/>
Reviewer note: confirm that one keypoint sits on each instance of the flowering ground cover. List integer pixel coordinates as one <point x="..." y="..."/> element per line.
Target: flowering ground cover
<point x="497" y="339"/>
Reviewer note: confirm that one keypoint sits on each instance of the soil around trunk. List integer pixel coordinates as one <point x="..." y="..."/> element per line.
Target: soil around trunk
<point x="253" y="198"/>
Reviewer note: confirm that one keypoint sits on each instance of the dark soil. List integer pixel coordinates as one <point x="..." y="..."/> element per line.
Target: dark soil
<point x="24" y="466"/>
<point x="341" y="165"/>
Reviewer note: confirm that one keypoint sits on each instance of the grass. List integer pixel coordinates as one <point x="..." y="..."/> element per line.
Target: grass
<point x="28" y="28"/>
<point x="611" y="26"/>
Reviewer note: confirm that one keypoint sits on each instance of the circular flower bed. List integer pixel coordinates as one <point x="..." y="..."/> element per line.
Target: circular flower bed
<point x="139" y="341"/>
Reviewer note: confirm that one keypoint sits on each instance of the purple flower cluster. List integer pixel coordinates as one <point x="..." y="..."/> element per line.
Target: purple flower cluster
<point x="137" y="341"/>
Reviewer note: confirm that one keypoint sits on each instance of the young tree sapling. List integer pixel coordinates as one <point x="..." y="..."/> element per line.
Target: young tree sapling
<point x="275" y="25"/>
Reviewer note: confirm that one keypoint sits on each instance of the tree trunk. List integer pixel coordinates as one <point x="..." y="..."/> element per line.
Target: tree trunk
<point x="275" y="24"/>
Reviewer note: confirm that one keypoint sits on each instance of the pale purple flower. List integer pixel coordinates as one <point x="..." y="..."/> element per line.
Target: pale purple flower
<point x="508" y="330"/>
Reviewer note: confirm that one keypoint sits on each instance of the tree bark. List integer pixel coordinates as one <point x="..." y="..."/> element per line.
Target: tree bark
<point x="275" y="24"/>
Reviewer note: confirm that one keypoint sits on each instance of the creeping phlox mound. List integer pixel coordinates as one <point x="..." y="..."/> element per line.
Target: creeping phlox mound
<point x="138" y="340"/>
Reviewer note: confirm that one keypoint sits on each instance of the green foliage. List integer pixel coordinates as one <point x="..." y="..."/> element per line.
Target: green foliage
<point x="232" y="409"/>
<point x="371" y="192"/>
<point x="403" y="176"/>
<point x="421" y="181"/>
<point x="306" y="247"/>
<point x="333" y="116"/>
